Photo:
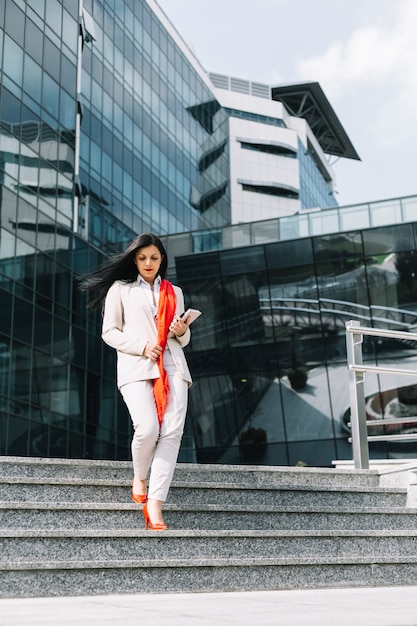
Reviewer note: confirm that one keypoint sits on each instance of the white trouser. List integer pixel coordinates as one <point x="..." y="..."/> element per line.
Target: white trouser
<point x="151" y="447"/>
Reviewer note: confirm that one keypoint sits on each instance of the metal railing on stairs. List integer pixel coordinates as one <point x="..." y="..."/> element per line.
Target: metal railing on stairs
<point x="358" y="422"/>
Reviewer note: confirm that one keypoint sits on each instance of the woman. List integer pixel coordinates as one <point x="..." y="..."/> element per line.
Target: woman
<point x="141" y="320"/>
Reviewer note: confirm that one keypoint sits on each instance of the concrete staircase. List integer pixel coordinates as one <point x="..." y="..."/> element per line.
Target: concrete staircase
<point x="68" y="527"/>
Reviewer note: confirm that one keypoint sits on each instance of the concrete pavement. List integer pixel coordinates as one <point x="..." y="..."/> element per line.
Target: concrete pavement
<point x="382" y="606"/>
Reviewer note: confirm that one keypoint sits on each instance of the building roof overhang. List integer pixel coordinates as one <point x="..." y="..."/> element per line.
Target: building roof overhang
<point x="308" y="100"/>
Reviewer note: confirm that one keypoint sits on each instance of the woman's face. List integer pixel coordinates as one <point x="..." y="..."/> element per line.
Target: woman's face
<point x="148" y="261"/>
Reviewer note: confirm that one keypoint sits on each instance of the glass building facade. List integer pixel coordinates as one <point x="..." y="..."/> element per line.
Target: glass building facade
<point x="269" y="352"/>
<point x="109" y="127"/>
<point x="99" y="141"/>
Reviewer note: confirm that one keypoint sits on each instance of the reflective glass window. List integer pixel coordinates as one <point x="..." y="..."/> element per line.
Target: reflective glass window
<point x="22" y="321"/>
<point x="50" y="96"/>
<point x="43" y="330"/>
<point x="51" y="59"/>
<point x="279" y="255"/>
<point x="34" y="41"/>
<point x="32" y="78"/>
<point x="67" y="110"/>
<point x="13" y="60"/>
<point x="69" y="31"/>
<point x="15" y="22"/>
<point x="246" y="259"/>
<point x="68" y="74"/>
<point x="388" y="239"/>
<point x="53" y="16"/>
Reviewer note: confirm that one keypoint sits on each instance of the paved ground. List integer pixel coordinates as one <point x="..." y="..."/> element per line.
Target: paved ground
<point x="389" y="606"/>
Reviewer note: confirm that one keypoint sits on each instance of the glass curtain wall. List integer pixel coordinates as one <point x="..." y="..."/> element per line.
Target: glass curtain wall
<point x="268" y="355"/>
<point x="140" y="148"/>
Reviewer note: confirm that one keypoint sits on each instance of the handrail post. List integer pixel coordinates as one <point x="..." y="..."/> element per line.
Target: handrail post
<point x="357" y="397"/>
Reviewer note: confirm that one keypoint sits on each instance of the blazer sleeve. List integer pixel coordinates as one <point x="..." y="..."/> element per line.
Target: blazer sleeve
<point x="113" y="323"/>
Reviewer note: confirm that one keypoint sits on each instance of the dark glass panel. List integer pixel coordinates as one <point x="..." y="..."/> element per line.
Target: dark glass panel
<point x="242" y="307"/>
<point x="400" y="278"/>
<point x="19" y="439"/>
<point x="340" y="250"/>
<point x="79" y="347"/>
<point x="42" y="330"/>
<point x="7" y="240"/>
<point x="197" y="265"/>
<point x="320" y="452"/>
<point x="209" y="331"/>
<point x="242" y="259"/>
<point x="378" y="241"/>
<point x="20" y="369"/>
<point x="63" y="286"/>
<point x="10" y="107"/>
<point x="42" y="388"/>
<point x="80" y="257"/>
<point x="61" y="339"/>
<point x="44" y="277"/>
<point x="216" y="424"/>
<point x="259" y="358"/>
<point x="289" y="253"/>
<point x="22" y="321"/>
<point x="5" y="348"/>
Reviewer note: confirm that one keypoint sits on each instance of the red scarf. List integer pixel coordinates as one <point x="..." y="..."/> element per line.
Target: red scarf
<point x="166" y="311"/>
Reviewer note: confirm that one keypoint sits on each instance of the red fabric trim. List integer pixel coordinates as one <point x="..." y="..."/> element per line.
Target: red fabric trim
<point x="166" y="311"/>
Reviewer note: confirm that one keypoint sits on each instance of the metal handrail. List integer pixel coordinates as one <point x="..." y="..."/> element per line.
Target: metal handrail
<point x="359" y="424"/>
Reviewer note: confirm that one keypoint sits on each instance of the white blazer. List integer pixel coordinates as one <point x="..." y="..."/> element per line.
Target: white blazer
<point x="128" y="325"/>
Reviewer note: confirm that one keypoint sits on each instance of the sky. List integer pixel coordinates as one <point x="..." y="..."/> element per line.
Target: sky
<point x="362" y="52"/>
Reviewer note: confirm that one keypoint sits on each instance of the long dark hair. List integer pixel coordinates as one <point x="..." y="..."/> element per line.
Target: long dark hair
<point x="120" y="267"/>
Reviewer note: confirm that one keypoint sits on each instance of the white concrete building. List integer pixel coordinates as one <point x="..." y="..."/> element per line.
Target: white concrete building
<point x="279" y="143"/>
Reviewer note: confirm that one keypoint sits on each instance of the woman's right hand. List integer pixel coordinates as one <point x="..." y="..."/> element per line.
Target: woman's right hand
<point x="152" y="351"/>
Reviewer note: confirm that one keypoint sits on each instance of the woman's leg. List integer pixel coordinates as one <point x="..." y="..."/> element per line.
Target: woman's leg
<point x="166" y="453"/>
<point x="140" y="402"/>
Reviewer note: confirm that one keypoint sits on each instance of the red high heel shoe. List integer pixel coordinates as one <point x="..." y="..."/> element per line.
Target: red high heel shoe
<point x="139" y="499"/>
<point x="148" y="522"/>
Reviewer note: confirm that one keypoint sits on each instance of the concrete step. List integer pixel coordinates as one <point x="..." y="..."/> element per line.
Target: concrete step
<point x="69" y="527"/>
<point x="105" y="516"/>
<point x="257" y="476"/>
<point x="119" y="545"/>
<point x="67" y="578"/>
<point x="81" y="490"/>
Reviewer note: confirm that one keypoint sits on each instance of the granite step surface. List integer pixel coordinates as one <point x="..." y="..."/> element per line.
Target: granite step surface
<point x="257" y="476"/>
<point x="69" y="528"/>
<point x="105" y="516"/>
<point x="52" y="578"/>
<point x="81" y="490"/>
<point x="90" y="545"/>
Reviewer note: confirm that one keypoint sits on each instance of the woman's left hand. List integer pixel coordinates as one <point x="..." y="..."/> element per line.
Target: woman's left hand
<point x="179" y="326"/>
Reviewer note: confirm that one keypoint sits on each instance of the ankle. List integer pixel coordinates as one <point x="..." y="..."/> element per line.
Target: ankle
<point x="155" y="510"/>
<point x="139" y="486"/>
